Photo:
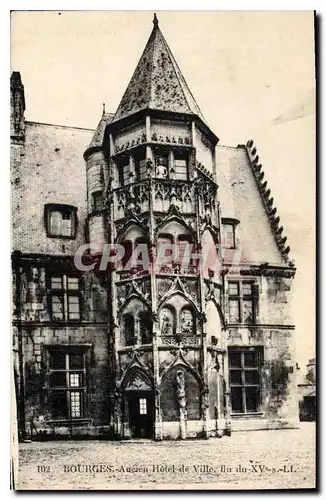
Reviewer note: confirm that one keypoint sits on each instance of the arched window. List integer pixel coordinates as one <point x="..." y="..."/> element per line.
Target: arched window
<point x="129" y="329"/>
<point x="143" y="256"/>
<point x="167" y="321"/>
<point x="164" y="251"/>
<point x="127" y="245"/>
<point x="184" y="247"/>
<point x="146" y="327"/>
<point x="187" y="323"/>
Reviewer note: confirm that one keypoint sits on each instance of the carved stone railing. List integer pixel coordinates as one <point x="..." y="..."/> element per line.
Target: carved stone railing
<point x="136" y="196"/>
<point x="173" y="340"/>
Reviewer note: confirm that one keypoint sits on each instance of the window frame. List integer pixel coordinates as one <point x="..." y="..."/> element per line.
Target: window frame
<point x="64" y="293"/>
<point x="228" y="221"/>
<point x="97" y="196"/>
<point x="63" y="209"/>
<point x="240" y="298"/>
<point x="244" y="385"/>
<point x="69" y="390"/>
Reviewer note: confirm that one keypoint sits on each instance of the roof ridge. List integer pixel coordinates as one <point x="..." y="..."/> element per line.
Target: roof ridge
<point x="268" y="202"/>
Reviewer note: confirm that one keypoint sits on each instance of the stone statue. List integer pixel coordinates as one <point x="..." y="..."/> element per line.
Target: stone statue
<point x="181" y="398"/>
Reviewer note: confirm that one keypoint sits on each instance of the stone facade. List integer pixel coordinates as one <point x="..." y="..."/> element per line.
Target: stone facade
<point x="165" y="352"/>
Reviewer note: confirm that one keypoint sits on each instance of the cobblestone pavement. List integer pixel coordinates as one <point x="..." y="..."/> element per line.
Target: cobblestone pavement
<point x="246" y="460"/>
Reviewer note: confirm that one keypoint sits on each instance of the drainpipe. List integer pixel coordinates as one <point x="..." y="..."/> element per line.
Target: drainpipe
<point x="16" y="257"/>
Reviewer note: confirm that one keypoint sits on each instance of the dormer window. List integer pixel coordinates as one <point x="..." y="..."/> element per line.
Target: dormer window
<point x="228" y="236"/>
<point x="60" y="220"/>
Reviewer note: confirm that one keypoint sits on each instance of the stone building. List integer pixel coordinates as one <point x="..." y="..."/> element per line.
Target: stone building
<point x="166" y="351"/>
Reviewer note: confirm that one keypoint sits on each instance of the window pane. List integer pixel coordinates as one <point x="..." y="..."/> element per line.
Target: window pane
<point x="56" y="282"/>
<point x="181" y="167"/>
<point x="58" y="361"/>
<point x="233" y="288"/>
<point x="252" y="398"/>
<point x="251" y="358"/>
<point x="59" y="404"/>
<point x="57" y="307"/>
<point x="73" y="283"/>
<point x="247" y="288"/>
<point x="252" y="377"/>
<point x="55" y="222"/>
<point x="125" y="175"/>
<point x="235" y="377"/>
<point x="235" y="359"/>
<point x="75" y="407"/>
<point x="247" y="310"/>
<point x="73" y="305"/>
<point x="97" y="200"/>
<point x="129" y="328"/>
<point x="76" y="360"/>
<point x="234" y="311"/>
<point x="229" y="237"/>
<point x="58" y="379"/>
<point x="66" y="224"/>
<point x="75" y="379"/>
<point x="236" y="400"/>
<point x="143" y="406"/>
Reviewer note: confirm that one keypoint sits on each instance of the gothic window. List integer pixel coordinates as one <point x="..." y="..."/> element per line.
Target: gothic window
<point x="245" y="378"/>
<point x="127" y="245"/>
<point x="168" y="321"/>
<point x="64" y="298"/>
<point x="67" y="383"/>
<point x="185" y="247"/>
<point x="129" y="329"/>
<point x="97" y="201"/>
<point x="187" y="321"/>
<point x="145" y="325"/>
<point x="164" y="252"/>
<point x="60" y="220"/>
<point x="181" y="165"/>
<point x="242" y="302"/>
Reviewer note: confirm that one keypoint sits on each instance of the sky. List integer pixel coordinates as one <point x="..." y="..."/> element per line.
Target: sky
<point x="251" y="73"/>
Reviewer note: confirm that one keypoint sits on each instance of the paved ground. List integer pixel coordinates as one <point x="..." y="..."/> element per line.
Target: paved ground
<point x="251" y="460"/>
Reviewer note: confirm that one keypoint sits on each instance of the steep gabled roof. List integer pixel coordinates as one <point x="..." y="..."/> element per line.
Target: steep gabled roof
<point x="157" y="82"/>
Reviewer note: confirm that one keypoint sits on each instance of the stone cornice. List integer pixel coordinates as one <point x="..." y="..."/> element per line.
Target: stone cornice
<point x="268" y="200"/>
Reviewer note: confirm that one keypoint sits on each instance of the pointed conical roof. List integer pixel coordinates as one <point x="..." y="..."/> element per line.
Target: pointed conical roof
<point x="157" y="82"/>
<point x="97" y="139"/>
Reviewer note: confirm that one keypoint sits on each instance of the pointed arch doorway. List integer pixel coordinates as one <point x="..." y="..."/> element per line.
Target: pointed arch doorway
<point x="139" y="405"/>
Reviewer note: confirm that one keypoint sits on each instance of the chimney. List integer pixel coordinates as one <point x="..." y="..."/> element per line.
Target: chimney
<point x="17" y="108"/>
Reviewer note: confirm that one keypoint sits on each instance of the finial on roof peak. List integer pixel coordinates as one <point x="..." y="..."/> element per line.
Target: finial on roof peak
<point x="155" y="20"/>
<point x="103" y="104"/>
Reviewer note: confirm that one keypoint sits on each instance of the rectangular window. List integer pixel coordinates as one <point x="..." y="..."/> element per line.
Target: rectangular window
<point x="124" y="170"/>
<point x="229" y="236"/>
<point x="97" y="201"/>
<point x="140" y="167"/>
<point x="142" y="406"/>
<point x="242" y="302"/>
<point x="245" y="378"/>
<point x="67" y="379"/>
<point x="61" y="220"/>
<point x="181" y="165"/>
<point x="65" y="298"/>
